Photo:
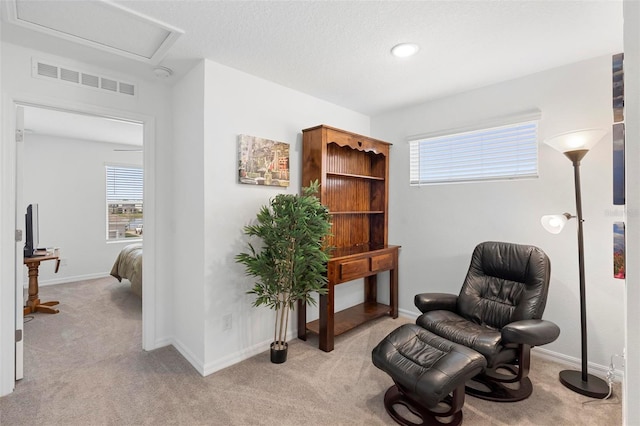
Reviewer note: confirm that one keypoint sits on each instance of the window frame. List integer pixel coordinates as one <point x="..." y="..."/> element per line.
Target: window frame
<point x="109" y="201"/>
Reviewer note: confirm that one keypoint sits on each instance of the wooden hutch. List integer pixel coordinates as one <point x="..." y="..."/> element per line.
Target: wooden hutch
<point x="353" y="171"/>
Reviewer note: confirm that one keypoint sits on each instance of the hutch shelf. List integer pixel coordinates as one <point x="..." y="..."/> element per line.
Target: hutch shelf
<point x="353" y="171"/>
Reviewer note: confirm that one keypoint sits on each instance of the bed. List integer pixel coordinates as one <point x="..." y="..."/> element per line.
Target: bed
<point x="128" y="265"/>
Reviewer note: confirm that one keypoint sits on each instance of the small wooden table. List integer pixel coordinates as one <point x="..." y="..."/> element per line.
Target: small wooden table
<point x="33" y="303"/>
<point x="347" y="264"/>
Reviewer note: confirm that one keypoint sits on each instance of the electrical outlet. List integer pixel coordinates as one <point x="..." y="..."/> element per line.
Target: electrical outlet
<point x="227" y="322"/>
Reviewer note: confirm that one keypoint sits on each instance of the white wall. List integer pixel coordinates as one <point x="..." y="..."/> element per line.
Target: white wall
<point x="152" y="104"/>
<point x="631" y="391"/>
<point x="238" y="103"/>
<point x="188" y="217"/>
<point x="438" y="226"/>
<point x="66" y="177"/>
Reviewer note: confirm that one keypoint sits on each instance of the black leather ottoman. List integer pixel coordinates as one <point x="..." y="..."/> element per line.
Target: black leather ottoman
<point x="429" y="374"/>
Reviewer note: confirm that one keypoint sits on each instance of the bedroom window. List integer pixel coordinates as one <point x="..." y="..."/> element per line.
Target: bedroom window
<point x="494" y="153"/>
<point x="124" y="202"/>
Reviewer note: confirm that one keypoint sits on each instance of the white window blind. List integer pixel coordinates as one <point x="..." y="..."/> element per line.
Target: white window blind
<point x="504" y="152"/>
<point x="124" y="183"/>
<point x="124" y="198"/>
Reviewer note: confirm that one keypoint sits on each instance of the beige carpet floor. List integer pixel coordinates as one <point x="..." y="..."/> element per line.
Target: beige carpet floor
<point x="84" y="366"/>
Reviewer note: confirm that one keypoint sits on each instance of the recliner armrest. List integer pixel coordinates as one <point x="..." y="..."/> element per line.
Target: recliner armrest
<point x="530" y="332"/>
<point x="435" y="301"/>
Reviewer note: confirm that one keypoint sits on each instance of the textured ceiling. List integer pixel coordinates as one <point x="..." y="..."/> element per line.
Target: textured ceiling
<point x="339" y="50"/>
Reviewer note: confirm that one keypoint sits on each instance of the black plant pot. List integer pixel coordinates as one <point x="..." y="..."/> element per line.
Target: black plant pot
<point x="278" y="356"/>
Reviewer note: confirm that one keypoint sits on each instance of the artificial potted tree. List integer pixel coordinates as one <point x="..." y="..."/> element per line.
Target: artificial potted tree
<point x="291" y="263"/>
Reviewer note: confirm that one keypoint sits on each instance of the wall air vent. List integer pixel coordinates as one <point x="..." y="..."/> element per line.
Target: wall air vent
<point x="127" y="89"/>
<point x="47" y="70"/>
<point x="68" y="75"/>
<point x="108" y="84"/>
<point x="90" y="80"/>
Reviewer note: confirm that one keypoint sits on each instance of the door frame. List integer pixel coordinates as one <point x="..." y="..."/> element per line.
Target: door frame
<point x="10" y="299"/>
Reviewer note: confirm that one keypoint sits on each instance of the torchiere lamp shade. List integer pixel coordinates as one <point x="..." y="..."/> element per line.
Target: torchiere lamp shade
<point x="584" y="139"/>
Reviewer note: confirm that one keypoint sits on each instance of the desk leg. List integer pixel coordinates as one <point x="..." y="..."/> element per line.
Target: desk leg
<point x="371" y="289"/>
<point x="393" y="291"/>
<point x="33" y="302"/>
<point x="326" y="319"/>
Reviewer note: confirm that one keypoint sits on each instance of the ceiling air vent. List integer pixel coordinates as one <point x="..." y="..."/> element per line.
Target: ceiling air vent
<point x="77" y="77"/>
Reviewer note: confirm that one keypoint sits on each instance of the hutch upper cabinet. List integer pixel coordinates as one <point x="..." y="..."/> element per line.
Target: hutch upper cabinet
<point x="353" y="171"/>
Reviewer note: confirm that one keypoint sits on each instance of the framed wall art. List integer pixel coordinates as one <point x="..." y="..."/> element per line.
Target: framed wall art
<point x="618" y="87"/>
<point x="263" y="161"/>
<point x="618" y="165"/>
<point x="619" y="246"/>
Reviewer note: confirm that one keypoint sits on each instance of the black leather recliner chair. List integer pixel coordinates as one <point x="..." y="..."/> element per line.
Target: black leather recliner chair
<point x="498" y="313"/>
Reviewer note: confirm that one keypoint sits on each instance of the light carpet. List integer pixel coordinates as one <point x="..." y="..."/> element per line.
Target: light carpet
<point x="85" y="366"/>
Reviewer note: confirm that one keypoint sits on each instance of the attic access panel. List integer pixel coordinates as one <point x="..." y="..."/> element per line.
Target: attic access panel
<point x="100" y="24"/>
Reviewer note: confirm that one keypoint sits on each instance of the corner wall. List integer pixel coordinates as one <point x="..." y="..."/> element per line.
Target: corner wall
<point x="438" y="226"/>
<point x="239" y="103"/>
<point x="187" y="223"/>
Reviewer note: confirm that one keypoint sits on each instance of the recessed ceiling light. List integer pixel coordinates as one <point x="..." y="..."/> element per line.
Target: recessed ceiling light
<point x="404" y="50"/>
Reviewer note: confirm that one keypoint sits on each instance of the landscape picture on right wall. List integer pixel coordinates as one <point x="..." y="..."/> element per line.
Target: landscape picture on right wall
<point x="618" y="165"/>
<point x="618" y="88"/>
<point x="618" y="250"/>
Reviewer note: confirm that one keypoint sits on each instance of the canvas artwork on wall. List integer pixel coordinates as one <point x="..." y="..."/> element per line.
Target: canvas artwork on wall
<point x="618" y="250"/>
<point x="263" y="161"/>
<point x="618" y="88"/>
<point x="618" y="164"/>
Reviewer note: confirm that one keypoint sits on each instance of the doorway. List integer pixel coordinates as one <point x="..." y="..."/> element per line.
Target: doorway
<point x="11" y="154"/>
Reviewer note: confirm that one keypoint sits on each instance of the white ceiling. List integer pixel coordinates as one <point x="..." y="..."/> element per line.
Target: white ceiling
<point x="339" y="50"/>
<point x="52" y="122"/>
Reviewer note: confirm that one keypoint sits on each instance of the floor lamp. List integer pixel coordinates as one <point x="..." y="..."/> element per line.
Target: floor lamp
<point x="575" y="145"/>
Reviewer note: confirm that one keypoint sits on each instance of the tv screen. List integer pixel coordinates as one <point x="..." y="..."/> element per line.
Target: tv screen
<point x="31" y="230"/>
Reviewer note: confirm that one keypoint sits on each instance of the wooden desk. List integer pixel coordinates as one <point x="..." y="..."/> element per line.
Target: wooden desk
<point x="33" y="303"/>
<point x="346" y="265"/>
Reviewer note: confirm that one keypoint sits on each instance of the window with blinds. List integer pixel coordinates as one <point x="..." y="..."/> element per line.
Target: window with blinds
<point x="497" y="153"/>
<point x="124" y="202"/>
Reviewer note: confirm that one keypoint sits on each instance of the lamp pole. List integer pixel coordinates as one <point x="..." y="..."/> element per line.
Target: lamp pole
<point x="581" y="381"/>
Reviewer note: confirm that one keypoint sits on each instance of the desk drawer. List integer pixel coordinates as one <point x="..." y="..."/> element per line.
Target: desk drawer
<point x="354" y="269"/>
<point x="382" y="262"/>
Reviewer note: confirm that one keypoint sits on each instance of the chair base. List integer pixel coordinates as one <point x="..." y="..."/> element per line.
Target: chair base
<point x="394" y="396"/>
<point x="499" y="392"/>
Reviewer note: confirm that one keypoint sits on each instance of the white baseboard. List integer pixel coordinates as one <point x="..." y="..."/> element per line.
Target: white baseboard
<point x="193" y="360"/>
<point x="408" y="314"/>
<point x="161" y="343"/>
<point x="242" y="354"/>
<point x="576" y="363"/>
<point x="65" y="280"/>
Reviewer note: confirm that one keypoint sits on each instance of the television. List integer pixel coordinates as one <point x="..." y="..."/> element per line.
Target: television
<point x="31" y="230"/>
